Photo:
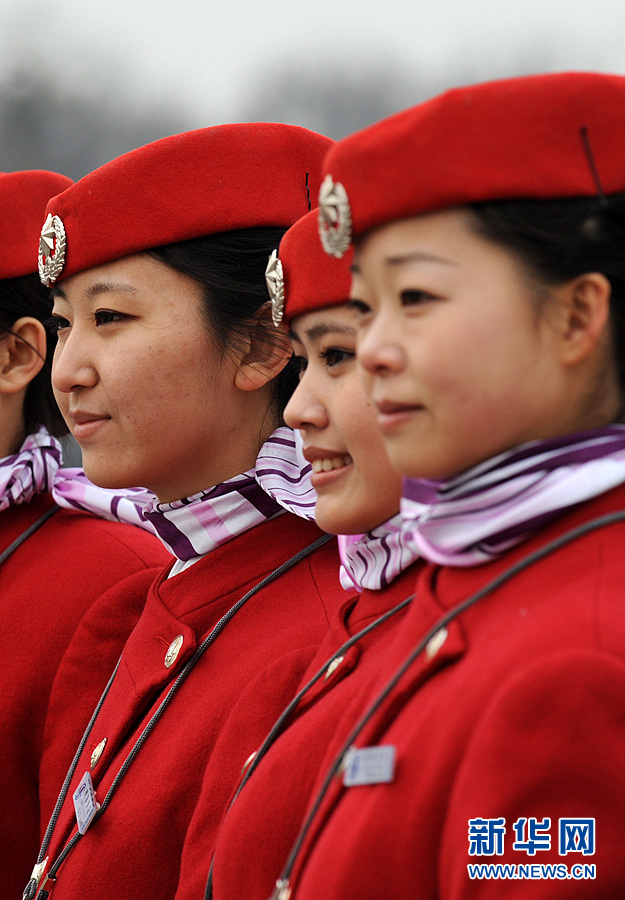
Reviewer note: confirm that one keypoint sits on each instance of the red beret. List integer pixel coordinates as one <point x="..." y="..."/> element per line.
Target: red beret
<point x="518" y="138"/>
<point x="303" y="277"/>
<point x="23" y="198"/>
<point x="181" y="187"/>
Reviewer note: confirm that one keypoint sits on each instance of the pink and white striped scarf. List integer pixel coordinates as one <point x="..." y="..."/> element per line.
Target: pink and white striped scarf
<point x="192" y="527"/>
<point x="475" y="517"/>
<point x="36" y="468"/>
<point x="374" y="559"/>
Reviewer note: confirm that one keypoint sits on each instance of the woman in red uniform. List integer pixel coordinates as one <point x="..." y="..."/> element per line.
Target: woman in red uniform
<point x="44" y="591"/>
<point x="171" y="375"/>
<point x="489" y="272"/>
<point x="358" y="493"/>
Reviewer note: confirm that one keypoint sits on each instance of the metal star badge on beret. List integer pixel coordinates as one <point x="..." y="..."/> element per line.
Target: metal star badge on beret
<point x="335" y="218"/>
<point x="274" y="276"/>
<point x="51" y="250"/>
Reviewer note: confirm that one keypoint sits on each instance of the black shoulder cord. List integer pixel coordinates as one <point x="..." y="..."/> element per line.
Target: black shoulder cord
<point x="26" y="534"/>
<point x="30" y="892"/>
<point x="278" y="727"/>
<point x="282" y="889"/>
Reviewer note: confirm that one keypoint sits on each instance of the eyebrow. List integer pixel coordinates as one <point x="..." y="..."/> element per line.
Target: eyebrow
<point x="320" y="330"/>
<point x="105" y="287"/>
<point x="403" y="258"/>
<point x="101" y="287"/>
<point x="417" y="256"/>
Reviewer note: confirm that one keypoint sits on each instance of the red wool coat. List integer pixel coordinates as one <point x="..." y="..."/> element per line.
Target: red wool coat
<point x="246" y="677"/>
<point x="46" y="587"/>
<point x="258" y="831"/>
<point x="516" y="713"/>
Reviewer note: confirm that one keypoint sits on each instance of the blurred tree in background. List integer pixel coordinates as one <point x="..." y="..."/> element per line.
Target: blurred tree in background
<point x="76" y="116"/>
<point x="75" y="128"/>
<point x="43" y="127"/>
<point x="333" y="101"/>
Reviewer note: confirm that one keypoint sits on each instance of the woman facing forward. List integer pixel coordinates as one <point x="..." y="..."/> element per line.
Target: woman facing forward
<point x="45" y="589"/>
<point x="171" y="375"/>
<point x="489" y="272"/>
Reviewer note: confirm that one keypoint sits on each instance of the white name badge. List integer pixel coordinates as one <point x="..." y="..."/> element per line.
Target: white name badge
<point x="369" y="765"/>
<point x="85" y="803"/>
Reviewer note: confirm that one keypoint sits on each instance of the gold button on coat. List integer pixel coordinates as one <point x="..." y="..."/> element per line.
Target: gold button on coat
<point x="436" y="642"/>
<point x="333" y="666"/>
<point x="97" y="753"/>
<point x="173" y="651"/>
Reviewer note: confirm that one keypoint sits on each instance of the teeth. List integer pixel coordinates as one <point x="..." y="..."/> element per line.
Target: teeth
<point x="326" y="465"/>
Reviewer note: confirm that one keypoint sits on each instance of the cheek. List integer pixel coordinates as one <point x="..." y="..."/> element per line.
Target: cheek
<point x="473" y="358"/>
<point x="162" y="375"/>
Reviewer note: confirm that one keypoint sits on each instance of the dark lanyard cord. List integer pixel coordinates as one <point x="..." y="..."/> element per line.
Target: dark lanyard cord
<point x="286" y="713"/>
<point x="26" y="534"/>
<point x="283" y="888"/>
<point x="30" y="891"/>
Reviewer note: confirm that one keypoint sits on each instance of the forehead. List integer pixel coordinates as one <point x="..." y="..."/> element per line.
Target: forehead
<point x="436" y="237"/>
<point x="138" y="278"/>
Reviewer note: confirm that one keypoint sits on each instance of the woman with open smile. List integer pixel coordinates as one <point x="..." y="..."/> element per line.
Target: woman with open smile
<point x="358" y="494"/>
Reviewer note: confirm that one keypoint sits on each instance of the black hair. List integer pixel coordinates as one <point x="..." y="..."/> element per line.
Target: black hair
<point x="26" y="296"/>
<point x="557" y="240"/>
<point x="230" y="269"/>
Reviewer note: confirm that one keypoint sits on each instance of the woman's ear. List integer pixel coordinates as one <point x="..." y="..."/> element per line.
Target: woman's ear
<point x="22" y="354"/>
<point x="584" y="315"/>
<point x="267" y="353"/>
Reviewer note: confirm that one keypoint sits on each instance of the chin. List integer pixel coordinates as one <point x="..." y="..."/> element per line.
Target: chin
<point x="105" y="475"/>
<point x="412" y="465"/>
<point x="342" y="520"/>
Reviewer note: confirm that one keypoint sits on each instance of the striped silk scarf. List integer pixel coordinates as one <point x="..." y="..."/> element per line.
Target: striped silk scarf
<point x="477" y="516"/>
<point x="280" y="481"/>
<point x="374" y="559"/>
<point x="36" y="468"/>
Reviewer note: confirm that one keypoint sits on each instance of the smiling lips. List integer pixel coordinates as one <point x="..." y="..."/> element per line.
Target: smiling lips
<point x="392" y="414"/>
<point x="387" y="407"/>
<point x="86" y="424"/>
<point x="84" y="418"/>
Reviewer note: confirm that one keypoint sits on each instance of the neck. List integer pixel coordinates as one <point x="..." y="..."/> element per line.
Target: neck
<point x="244" y="442"/>
<point x="12" y="429"/>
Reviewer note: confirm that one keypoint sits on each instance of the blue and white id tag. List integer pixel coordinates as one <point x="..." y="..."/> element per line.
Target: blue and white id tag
<point x="369" y="765"/>
<point x="85" y="803"/>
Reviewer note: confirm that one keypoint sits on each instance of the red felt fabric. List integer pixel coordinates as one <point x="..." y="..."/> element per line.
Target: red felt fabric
<point x="519" y="714"/>
<point x="250" y="852"/>
<point x="188" y="185"/>
<point x="238" y="688"/>
<point x="499" y="140"/>
<point x="312" y="280"/>
<point x="46" y="588"/>
<point x="23" y="198"/>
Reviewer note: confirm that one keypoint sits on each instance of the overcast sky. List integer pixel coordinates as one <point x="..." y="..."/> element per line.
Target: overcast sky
<point x="203" y="54"/>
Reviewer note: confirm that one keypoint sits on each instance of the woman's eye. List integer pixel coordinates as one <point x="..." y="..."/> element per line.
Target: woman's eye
<point x="415" y="297"/>
<point x="299" y="364"/>
<point x="359" y="306"/>
<point x="107" y="316"/>
<point x="334" y="356"/>
<point x="57" y="323"/>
